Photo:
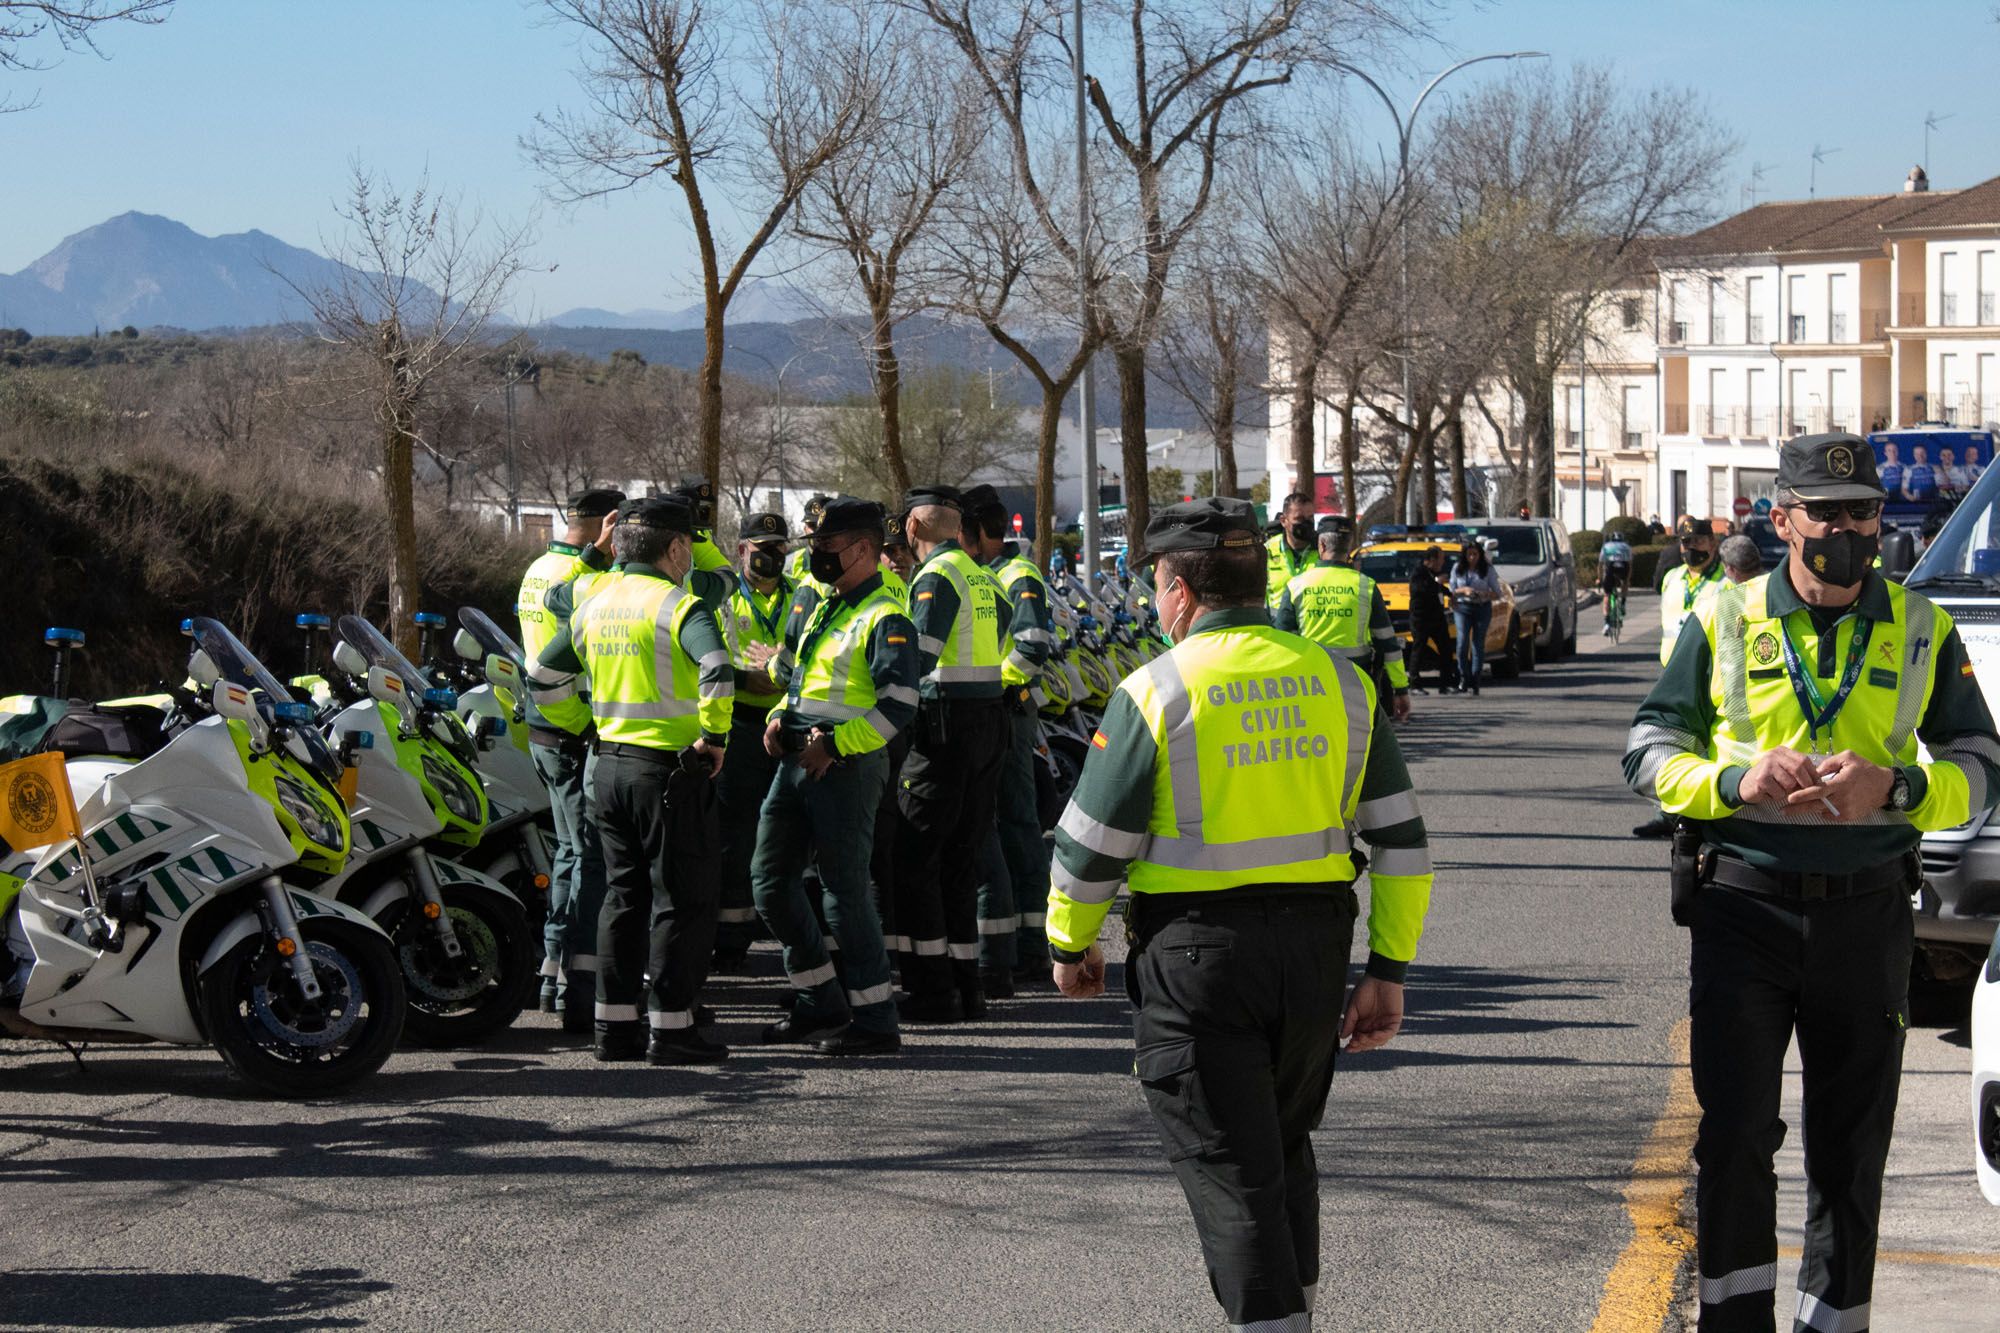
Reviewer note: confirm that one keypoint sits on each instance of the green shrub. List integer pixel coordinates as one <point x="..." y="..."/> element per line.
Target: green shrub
<point x="1625" y="528"/>
<point x="1586" y="545"/>
<point x="1646" y="565"/>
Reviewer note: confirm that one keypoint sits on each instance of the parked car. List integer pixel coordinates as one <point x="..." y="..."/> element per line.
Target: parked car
<point x="1510" y="644"/>
<point x="1536" y="560"/>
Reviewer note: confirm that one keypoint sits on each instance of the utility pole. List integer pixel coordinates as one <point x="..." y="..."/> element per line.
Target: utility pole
<point x="1086" y="408"/>
<point x="779" y="436"/>
<point x="519" y="369"/>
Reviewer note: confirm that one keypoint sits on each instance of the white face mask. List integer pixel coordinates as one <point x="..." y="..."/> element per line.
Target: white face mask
<point x="1187" y="615"/>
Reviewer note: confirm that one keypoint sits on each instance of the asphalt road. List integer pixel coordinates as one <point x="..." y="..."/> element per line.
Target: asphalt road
<point x="1000" y="1176"/>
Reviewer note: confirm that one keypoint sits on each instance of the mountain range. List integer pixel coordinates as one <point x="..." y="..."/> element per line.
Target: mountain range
<point x="147" y="271"/>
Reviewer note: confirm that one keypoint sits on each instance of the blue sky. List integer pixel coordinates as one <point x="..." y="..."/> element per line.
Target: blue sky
<point x="245" y="113"/>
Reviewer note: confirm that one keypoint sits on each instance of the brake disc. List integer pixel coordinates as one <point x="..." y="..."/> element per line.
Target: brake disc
<point x="439" y="980"/>
<point x="338" y="1008"/>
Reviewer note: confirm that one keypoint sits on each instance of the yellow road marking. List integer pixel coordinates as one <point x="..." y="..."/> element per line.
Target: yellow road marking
<point x="1639" y="1291"/>
<point x="1946" y="1257"/>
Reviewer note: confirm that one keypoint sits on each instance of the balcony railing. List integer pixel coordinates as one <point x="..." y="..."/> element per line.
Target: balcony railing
<point x="1748" y="423"/>
<point x="1967" y="410"/>
<point x="1874" y="325"/>
<point x="1717" y="330"/>
<point x="1947" y="308"/>
<point x="1910" y="312"/>
<point x="1795" y="328"/>
<point x="1635" y="441"/>
<point x="1813" y="419"/>
<point x="1676" y="422"/>
<point x="1675" y="334"/>
<point x="1753" y="329"/>
<point x="1836" y="327"/>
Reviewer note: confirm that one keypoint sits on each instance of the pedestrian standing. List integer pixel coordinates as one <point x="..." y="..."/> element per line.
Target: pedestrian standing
<point x="1291" y="551"/>
<point x="1474" y="586"/>
<point x="1339" y="607"/>
<point x="1221" y="786"/>
<point x="945" y="799"/>
<point x="1680" y="588"/>
<point x="1786" y="728"/>
<point x="1741" y="560"/>
<point x="1014" y="860"/>
<point x="661" y="690"/>
<point x="1428" y="633"/>
<point x="560" y="750"/>
<point x="854" y="689"/>
<point x="753" y="622"/>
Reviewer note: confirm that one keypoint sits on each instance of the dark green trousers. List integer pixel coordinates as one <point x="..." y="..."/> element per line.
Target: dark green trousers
<point x="739" y="793"/>
<point x="835" y="816"/>
<point x="1013" y="863"/>
<point x="656" y="820"/>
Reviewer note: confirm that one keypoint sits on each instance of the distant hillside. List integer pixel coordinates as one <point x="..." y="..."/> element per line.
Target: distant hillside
<point x="757" y="301"/>
<point x="146" y="271"/>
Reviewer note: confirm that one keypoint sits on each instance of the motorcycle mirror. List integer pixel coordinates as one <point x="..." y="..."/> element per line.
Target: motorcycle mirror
<point x="386" y="686"/>
<point x="233" y="701"/>
<point x="501" y="672"/>
<point x="1899" y="553"/>
<point x="466" y="646"/>
<point x="202" y="670"/>
<point x="349" y="659"/>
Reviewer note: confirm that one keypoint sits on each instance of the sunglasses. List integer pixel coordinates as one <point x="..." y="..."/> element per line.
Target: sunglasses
<point x="1826" y="511"/>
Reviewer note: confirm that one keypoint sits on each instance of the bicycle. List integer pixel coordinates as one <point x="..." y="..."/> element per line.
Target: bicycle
<point x="1614" y="608"/>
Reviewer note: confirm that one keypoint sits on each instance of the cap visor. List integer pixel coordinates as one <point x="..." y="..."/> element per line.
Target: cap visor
<point x="1841" y="490"/>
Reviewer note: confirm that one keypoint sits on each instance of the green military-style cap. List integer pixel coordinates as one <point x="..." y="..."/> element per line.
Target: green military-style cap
<point x="594" y="504"/>
<point x="762" y="528"/>
<point x="846" y="513"/>
<point x="700" y="496"/>
<point x="668" y="512"/>
<point x="1201" y="525"/>
<point x="917" y="497"/>
<point x="814" y="508"/>
<point x="892" y="531"/>
<point x="981" y="499"/>
<point x="1838" y="466"/>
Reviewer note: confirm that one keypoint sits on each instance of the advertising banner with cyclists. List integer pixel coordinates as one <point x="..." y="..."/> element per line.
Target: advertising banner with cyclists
<point x="1928" y="469"/>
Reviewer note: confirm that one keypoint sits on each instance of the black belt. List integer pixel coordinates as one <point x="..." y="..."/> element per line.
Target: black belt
<point x="655" y="753"/>
<point x="1734" y="873"/>
<point x="1155" y="907"/>
<point x="557" y="740"/>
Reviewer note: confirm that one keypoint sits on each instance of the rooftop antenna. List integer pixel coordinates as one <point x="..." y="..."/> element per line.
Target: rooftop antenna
<point x="1755" y="185"/>
<point x="1931" y="121"/>
<point x="1819" y="157"/>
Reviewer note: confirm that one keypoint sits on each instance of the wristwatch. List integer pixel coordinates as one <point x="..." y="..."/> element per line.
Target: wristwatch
<point x="1899" y="791"/>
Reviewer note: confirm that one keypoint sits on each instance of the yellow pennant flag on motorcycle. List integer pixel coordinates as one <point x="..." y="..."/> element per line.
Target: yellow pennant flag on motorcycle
<point x="36" y="807"/>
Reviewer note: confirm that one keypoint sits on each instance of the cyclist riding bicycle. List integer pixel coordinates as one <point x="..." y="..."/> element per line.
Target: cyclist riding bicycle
<point x="1614" y="564"/>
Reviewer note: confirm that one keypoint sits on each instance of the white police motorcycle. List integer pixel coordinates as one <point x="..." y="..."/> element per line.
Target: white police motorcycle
<point x="194" y="921"/>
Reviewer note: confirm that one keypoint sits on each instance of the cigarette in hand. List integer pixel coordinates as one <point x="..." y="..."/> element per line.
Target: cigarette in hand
<point x="1831" y="808"/>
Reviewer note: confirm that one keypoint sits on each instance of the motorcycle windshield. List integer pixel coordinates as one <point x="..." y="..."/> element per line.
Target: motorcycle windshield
<point x="239" y="666"/>
<point x="491" y="637"/>
<point x="375" y="648"/>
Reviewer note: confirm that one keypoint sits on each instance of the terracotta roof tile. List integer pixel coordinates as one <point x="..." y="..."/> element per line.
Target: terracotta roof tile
<point x="1975" y="206"/>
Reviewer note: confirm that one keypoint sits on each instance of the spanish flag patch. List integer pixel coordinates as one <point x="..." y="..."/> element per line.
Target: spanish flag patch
<point x="925" y="596"/>
<point x="898" y="638"/>
<point x="1097" y="739"/>
<point x="1965" y="669"/>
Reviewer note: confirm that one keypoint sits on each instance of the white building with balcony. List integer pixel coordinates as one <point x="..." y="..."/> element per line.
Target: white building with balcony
<point x="1823" y="314"/>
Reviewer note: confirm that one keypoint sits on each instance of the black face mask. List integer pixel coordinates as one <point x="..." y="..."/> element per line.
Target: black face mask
<point x="765" y="563"/>
<point x="1841" y="558"/>
<point x="1302" y="531"/>
<point x="1694" y="557"/>
<point x="827" y="566"/>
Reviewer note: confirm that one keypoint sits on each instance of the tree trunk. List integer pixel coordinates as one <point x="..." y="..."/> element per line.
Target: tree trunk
<point x="888" y="378"/>
<point x="399" y="493"/>
<point x="1542" y="436"/>
<point x="1223" y="400"/>
<point x="1305" y="400"/>
<point x="710" y="395"/>
<point x="1053" y="399"/>
<point x="1349" y="495"/>
<point x="1430" y="513"/>
<point x="1456" y="447"/>
<point x="1131" y="361"/>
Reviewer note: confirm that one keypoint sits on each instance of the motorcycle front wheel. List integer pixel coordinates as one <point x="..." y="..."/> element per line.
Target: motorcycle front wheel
<point x="274" y="1038"/>
<point x="462" y="1001"/>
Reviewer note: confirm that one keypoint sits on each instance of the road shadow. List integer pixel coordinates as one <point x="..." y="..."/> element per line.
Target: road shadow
<point x="150" y="1298"/>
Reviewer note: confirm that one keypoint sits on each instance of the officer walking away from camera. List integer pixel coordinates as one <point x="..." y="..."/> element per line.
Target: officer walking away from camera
<point x="1785" y="730"/>
<point x="1220" y="786"/>
<point x="853" y="690"/>
<point x="560" y="747"/>
<point x="753" y="622"/>
<point x="1014" y="860"/>
<point x="1680" y="588"/>
<point x="661" y="690"/>
<point x="1292" y="550"/>
<point x="946" y="796"/>
<point x="1339" y="607"/>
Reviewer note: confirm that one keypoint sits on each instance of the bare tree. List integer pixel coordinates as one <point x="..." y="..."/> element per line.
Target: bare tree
<point x="72" y="24"/>
<point x="1591" y="170"/>
<point x="872" y="205"/>
<point x="1212" y="347"/>
<point x="1319" y="225"/>
<point x="416" y="294"/>
<point x="661" y="78"/>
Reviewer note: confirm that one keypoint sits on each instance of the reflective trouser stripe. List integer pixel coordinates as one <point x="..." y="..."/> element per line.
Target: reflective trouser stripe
<point x="897" y="943"/>
<point x="583" y="962"/>
<point x="1301" y="1322"/>
<point x="1035" y="919"/>
<point x="873" y="995"/>
<point x="1312" y="1297"/>
<point x="927" y="948"/>
<point x="964" y="951"/>
<point x="813" y="977"/>
<point x="617" y="1013"/>
<point x="664" y="1021"/>
<point x="737" y="914"/>
<point x="551" y="967"/>
<point x="1716" y="1290"/>
<point x="999" y="925"/>
<point x="1816" y="1313"/>
<point x="829" y="943"/>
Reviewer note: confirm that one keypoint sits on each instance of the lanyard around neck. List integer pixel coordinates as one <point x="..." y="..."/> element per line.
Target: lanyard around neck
<point x="1820" y="712"/>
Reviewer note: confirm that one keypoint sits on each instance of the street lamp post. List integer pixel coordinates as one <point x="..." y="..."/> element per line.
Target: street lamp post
<point x="1405" y="125"/>
<point x="1086" y="405"/>
<point x="784" y="476"/>
<point x="519" y="370"/>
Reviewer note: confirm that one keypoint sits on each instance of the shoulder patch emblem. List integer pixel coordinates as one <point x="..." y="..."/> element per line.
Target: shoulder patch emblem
<point x="1765" y="648"/>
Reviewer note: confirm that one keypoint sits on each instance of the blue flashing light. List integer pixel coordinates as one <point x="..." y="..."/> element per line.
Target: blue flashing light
<point x="294" y="713"/>
<point x="428" y="619"/>
<point x="441" y="697"/>
<point x="312" y="620"/>
<point x="187" y="626"/>
<point x="56" y="634"/>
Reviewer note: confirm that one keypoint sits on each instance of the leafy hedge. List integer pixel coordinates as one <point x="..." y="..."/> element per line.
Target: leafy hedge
<point x="124" y="550"/>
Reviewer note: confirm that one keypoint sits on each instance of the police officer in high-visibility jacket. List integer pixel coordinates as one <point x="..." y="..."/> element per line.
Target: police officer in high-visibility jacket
<point x="661" y="690"/>
<point x="1290" y="552"/>
<point x="795" y="563"/>
<point x="1014" y="860"/>
<point x="899" y="562"/>
<point x="945" y="798"/>
<point x="699" y="493"/>
<point x="1699" y="572"/>
<point x="1786" y="728"/>
<point x="560" y="753"/>
<point x="853" y="690"/>
<point x="1340" y="607"/>
<point x="1221" y="787"/>
<point x="753" y="621"/>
